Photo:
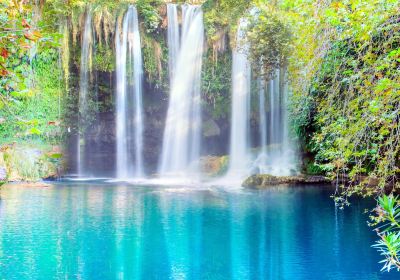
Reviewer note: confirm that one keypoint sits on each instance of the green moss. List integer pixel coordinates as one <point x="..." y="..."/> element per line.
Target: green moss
<point x="155" y="60"/>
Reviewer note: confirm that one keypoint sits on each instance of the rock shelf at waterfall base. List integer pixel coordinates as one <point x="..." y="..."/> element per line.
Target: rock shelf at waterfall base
<point x="263" y="181"/>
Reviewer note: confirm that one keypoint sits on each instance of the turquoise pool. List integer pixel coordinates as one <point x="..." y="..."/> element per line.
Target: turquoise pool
<point x="98" y="230"/>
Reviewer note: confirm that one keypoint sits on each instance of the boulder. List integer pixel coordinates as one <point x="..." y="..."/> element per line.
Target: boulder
<point x="23" y="163"/>
<point x="213" y="165"/>
<point x="262" y="181"/>
<point x="211" y="128"/>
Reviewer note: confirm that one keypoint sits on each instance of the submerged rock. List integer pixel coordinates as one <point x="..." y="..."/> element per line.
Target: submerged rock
<point x="262" y="181"/>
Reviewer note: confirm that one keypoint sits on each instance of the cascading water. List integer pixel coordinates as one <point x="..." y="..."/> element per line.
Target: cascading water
<point x="241" y="81"/>
<point x="279" y="158"/>
<point x="85" y="66"/>
<point x="181" y="141"/>
<point x="275" y="156"/>
<point x="129" y="110"/>
<point x="173" y="38"/>
<point x="276" y="125"/>
<point x="263" y="121"/>
<point x="263" y="118"/>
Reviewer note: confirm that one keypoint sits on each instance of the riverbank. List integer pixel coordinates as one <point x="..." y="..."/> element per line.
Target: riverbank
<point x="263" y="181"/>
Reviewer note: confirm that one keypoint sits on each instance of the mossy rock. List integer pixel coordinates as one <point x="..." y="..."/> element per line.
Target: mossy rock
<point x="214" y="165"/>
<point x="263" y="181"/>
<point x="28" y="164"/>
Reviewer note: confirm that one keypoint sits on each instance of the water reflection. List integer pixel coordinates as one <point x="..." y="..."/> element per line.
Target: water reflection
<point x="88" y="231"/>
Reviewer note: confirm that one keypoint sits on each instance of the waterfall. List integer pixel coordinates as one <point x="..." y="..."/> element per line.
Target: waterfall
<point x="181" y="141"/>
<point x="129" y="110"/>
<point x="84" y="78"/>
<point x="240" y="116"/>
<point x="276" y="156"/>
<point x="173" y="38"/>
<point x="276" y="125"/>
<point x="262" y="116"/>
<point x="279" y="158"/>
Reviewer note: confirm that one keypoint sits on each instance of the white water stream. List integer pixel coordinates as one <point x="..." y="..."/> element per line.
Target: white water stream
<point x="181" y="141"/>
<point x="129" y="108"/>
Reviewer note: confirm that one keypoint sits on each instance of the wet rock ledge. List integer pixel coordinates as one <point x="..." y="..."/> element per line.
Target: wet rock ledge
<point x="263" y="181"/>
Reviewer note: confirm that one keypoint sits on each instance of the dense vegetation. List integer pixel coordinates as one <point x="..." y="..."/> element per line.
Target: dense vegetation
<point x="343" y="60"/>
<point x="30" y="77"/>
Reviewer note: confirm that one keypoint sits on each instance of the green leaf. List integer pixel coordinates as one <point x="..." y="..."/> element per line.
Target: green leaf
<point x="56" y="156"/>
<point x="35" y="131"/>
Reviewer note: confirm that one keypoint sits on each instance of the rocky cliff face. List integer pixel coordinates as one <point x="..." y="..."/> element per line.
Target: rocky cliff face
<point x="100" y="141"/>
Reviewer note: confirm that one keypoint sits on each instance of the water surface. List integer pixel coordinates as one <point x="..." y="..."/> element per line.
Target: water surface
<point x="109" y="231"/>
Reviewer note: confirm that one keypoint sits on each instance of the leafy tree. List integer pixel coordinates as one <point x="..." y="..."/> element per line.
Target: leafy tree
<point x="269" y="38"/>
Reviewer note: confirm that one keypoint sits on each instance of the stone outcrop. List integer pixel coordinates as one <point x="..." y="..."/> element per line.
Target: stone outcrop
<point x="262" y="181"/>
<point x="213" y="165"/>
<point x="24" y="163"/>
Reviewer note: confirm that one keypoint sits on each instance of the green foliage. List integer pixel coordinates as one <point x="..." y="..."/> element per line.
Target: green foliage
<point x="35" y="113"/>
<point x="29" y="73"/>
<point x="223" y="15"/>
<point x="343" y="72"/>
<point x="16" y="38"/>
<point x="155" y="60"/>
<point x="148" y="10"/>
<point x="28" y="163"/>
<point x="21" y="165"/>
<point x="269" y="39"/>
<point x="311" y="168"/>
<point x="387" y="216"/>
<point x="357" y="97"/>
<point x="216" y="81"/>
<point x="104" y="59"/>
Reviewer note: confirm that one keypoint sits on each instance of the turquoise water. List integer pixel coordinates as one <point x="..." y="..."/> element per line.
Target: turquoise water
<point x="105" y="231"/>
